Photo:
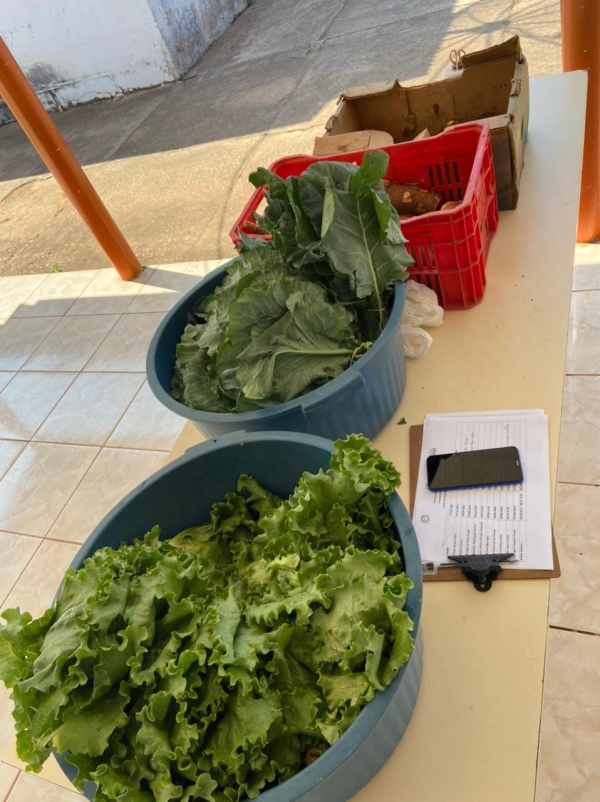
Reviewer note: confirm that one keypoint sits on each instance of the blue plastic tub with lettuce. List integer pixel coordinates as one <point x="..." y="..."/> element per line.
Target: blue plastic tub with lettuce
<point x="264" y="640"/>
<point x="302" y="331"/>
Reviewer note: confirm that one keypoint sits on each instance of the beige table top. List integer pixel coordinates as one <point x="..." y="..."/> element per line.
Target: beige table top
<point x="474" y="732"/>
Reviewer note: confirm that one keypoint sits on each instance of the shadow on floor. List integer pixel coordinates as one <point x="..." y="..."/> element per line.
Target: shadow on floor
<point x="279" y="64"/>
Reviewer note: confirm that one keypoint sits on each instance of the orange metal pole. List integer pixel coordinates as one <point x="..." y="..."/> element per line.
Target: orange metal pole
<point x="580" y="22"/>
<point x="46" y="139"/>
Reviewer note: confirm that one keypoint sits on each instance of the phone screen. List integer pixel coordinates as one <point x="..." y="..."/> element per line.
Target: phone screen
<point x="490" y="466"/>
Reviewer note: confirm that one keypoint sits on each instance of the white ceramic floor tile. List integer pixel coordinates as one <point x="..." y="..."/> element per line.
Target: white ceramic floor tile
<point x="56" y="294"/>
<point x="39" y="484"/>
<point x="7" y="729"/>
<point x="41" y="578"/>
<point x="27" y="400"/>
<point x="71" y="343"/>
<point x="108" y="294"/>
<point x="51" y="771"/>
<point x="15" y="553"/>
<point x="90" y="409"/>
<point x="568" y="763"/>
<point x="115" y="472"/>
<point x="8" y="774"/>
<point x="20" y="337"/>
<point x="147" y="424"/>
<point x="14" y="290"/>
<point x="586" y="271"/>
<point x="5" y="377"/>
<point x="30" y="788"/>
<point x="9" y="451"/>
<point x="575" y="596"/>
<point x="580" y="431"/>
<point x="126" y="346"/>
<point x="583" y="347"/>
<point x="168" y="283"/>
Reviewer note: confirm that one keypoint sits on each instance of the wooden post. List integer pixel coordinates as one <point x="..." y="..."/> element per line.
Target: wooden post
<point x="580" y="23"/>
<point x="46" y="139"/>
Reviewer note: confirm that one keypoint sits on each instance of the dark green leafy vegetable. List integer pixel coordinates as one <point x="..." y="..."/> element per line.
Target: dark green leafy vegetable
<point x="217" y="663"/>
<point x="294" y="312"/>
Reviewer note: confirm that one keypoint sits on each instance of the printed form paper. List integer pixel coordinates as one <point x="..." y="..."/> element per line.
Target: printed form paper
<point x="488" y="520"/>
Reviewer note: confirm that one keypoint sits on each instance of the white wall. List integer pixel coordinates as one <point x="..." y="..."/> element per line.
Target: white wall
<point x="189" y="27"/>
<point x="74" y="51"/>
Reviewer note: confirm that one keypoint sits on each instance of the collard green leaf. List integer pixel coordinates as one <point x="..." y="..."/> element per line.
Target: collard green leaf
<point x="370" y="174"/>
<point x="334" y="230"/>
<point x="312" y="342"/>
<point x="352" y="242"/>
<point x="199" y="385"/>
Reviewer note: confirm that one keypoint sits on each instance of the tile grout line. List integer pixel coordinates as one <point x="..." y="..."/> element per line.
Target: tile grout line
<point x="12" y="786"/>
<point x="127" y="408"/>
<point x="12" y="317"/>
<point x="29" y="440"/>
<point x="42" y="538"/>
<point x="101" y="343"/>
<point x="62" y="317"/>
<point x="543" y="698"/>
<point x="87" y="372"/>
<point x="32" y="291"/>
<point x="73" y="300"/>
<point x="24" y="365"/>
<point x="75" y="489"/>
<point x="58" y="319"/>
<point x="577" y="631"/>
<point x="78" y="485"/>
<point x="576" y="484"/>
<point x="21" y="534"/>
<point x="67" y="388"/>
<point x="14" y="584"/>
<point x="95" y="445"/>
<point x="76" y="374"/>
<point x="12" y="462"/>
<point x="57" y="442"/>
<point x="151" y="272"/>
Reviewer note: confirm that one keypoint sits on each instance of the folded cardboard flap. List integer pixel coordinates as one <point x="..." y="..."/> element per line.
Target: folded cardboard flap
<point x="405" y="111"/>
<point x="346" y="143"/>
<point x="512" y="47"/>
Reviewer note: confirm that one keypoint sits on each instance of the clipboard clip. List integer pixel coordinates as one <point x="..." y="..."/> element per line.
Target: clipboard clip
<point x="480" y="569"/>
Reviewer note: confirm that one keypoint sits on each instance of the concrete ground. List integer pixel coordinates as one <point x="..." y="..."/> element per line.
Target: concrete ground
<point x="171" y="163"/>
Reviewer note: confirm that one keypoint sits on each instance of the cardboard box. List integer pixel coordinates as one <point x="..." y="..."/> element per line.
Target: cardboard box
<point x="346" y="143"/>
<point x="492" y="86"/>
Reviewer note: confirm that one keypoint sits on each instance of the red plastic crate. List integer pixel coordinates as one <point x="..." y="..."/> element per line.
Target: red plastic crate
<point x="449" y="247"/>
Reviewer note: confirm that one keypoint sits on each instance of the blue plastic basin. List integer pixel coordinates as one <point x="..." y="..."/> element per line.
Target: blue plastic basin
<point x="361" y="399"/>
<point x="180" y="495"/>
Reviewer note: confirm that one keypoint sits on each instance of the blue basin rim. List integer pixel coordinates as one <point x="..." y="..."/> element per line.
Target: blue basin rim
<point x="160" y="363"/>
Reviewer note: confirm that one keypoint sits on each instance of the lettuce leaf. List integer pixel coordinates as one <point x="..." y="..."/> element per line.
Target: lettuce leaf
<point x="213" y="665"/>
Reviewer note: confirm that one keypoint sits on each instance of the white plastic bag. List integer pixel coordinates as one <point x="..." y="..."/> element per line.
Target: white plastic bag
<point x="416" y="341"/>
<point x="420" y="309"/>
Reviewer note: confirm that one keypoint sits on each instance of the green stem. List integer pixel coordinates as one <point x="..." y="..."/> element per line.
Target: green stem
<point x="373" y="271"/>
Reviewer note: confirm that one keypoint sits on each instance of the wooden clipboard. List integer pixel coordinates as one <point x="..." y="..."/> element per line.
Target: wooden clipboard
<point x="450" y="573"/>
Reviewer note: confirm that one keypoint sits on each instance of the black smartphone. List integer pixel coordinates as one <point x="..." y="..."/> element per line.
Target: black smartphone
<point x="489" y="466"/>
